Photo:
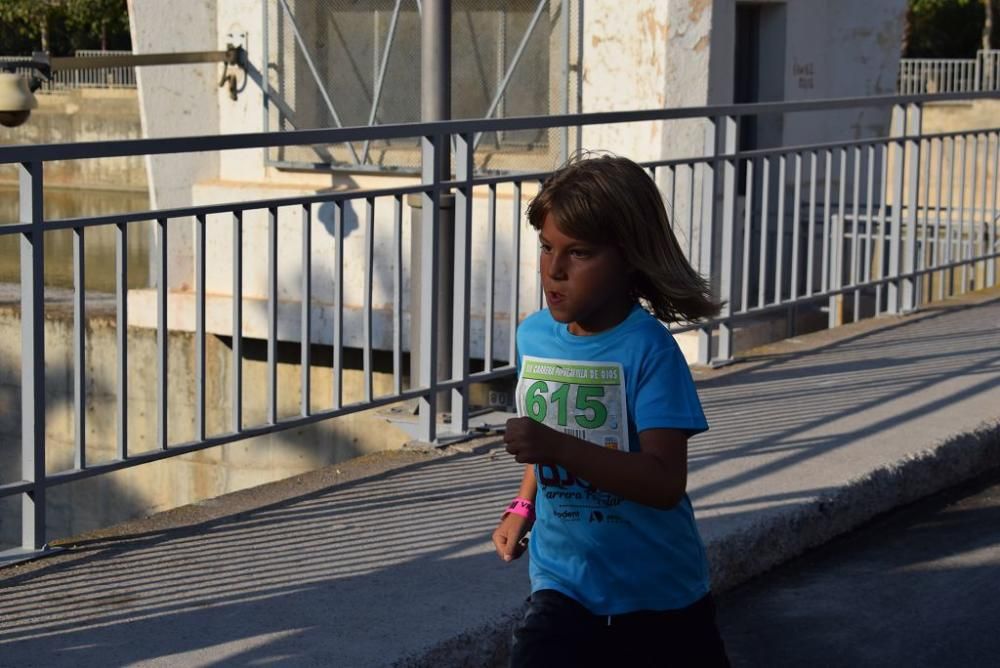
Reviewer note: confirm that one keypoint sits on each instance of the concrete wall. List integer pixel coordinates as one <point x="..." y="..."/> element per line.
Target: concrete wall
<point x="981" y="186"/>
<point x="177" y="101"/>
<point x="680" y="53"/>
<point x="84" y="115"/>
<point x="126" y="494"/>
<point x="832" y="49"/>
<point x="960" y="184"/>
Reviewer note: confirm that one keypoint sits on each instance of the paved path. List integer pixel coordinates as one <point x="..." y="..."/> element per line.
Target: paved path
<point x="393" y="564"/>
<point x="917" y="588"/>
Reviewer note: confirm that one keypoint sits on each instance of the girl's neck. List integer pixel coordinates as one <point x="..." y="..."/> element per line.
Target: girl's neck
<point x="602" y="321"/>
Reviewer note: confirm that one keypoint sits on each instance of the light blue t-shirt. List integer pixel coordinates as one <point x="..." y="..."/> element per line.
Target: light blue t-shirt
<point x="611" y="555"/>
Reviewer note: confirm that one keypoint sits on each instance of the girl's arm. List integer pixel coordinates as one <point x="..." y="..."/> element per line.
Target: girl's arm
<point x="509" y="537"/>
<point x="655" y="476"/>
<point x="529" y="487"/>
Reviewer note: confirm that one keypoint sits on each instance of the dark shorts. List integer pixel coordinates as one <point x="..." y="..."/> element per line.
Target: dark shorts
<point x="558" y="631"/>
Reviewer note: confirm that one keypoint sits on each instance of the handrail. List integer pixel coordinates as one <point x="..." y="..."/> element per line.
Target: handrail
<point x="43" y="152"/>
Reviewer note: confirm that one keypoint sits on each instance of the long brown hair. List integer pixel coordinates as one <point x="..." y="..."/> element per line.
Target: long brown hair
<point x="612" y="200"/>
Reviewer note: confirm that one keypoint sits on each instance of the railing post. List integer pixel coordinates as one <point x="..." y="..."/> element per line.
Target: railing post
<point x="729" y="129"/>
<point x="977" y="74"/>
<point x="706" y="225"/>
<point x="914" y="126"/>
<point x="32" y="357"/>
<point x="992" y="217"/>
<point x="834" y="317"/>
<point x="426" y="276"/>
<point x="461" y="281"/>
<point x="896" y="217"/>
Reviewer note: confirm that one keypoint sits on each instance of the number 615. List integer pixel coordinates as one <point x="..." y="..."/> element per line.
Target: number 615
<point x="593" y="411"/>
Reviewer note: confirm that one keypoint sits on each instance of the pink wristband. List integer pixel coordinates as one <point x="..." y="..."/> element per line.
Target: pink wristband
<point x="522" y="507"/>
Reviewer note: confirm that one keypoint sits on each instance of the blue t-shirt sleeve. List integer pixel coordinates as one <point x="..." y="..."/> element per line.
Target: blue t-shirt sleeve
<point x="665" y="395"/>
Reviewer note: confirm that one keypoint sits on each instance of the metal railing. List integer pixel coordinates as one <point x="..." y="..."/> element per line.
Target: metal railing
<point x="894" y="220"/>
<point x="950" y="75"/>
<point x="103" y="77"/>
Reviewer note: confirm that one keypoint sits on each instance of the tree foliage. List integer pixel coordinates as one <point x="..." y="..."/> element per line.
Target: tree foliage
<point x="946" y="28"/>
<point x="63" y="26"/>
<point x="32" y="19"/>
<point x="97" y="17"/>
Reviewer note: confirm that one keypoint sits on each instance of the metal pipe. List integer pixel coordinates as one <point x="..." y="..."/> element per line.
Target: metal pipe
<point x="58" y="64"/>
<point x="435" y="71"/>
<point x="432" y="254"/>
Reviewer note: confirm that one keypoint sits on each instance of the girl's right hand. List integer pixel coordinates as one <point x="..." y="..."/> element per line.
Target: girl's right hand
<point x="510" y="537"/>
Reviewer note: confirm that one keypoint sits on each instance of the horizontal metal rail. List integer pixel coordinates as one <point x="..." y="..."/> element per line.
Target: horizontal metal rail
<point x="128" y="147"/>
<point x="101" y="74"/>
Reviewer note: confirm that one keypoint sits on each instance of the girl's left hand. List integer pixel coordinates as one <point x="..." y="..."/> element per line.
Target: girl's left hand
<point x="532" y="442"/>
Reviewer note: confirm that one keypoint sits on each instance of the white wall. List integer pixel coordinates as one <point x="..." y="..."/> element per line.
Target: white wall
<point x="834" y="49"/>
<point x="243" y="17"/>
<point x="177" y="100"/>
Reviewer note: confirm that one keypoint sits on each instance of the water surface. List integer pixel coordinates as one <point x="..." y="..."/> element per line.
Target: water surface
<point x="99" y="242"/>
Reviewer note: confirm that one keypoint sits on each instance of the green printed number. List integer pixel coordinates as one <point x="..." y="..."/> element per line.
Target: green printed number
<point x="534" y="403"/>
<point x="586" y="399"/>
<point x="561" y="397"/>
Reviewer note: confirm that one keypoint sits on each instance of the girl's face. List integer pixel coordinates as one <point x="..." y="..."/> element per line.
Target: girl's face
<point x="586" y="285"/>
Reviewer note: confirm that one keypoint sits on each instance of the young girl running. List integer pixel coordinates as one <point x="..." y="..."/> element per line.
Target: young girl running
<point x="606" y="405"/>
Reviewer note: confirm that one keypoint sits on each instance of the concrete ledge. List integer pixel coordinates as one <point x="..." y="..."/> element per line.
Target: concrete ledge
<point x="746" y="553"/>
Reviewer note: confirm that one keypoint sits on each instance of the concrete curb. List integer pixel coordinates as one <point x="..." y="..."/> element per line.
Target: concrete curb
<point x="749" y="552"/>
<point x="745" y="554"/>
<point x="485" y="647"/>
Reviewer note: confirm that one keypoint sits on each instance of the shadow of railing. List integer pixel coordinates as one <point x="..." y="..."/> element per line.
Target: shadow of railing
<point x="264" y="579"/>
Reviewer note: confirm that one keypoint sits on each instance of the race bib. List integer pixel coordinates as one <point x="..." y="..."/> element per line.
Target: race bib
<point x="584" y="399"/>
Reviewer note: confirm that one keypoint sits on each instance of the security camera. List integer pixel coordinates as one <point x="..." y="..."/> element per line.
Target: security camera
<point x="16" y="100"/>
